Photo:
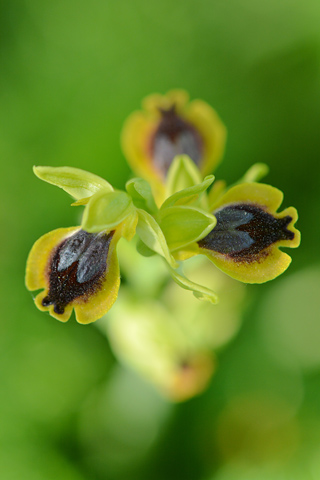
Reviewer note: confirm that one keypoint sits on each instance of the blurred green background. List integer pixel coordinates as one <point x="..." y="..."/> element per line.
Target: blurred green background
<point x="70" y="73"/>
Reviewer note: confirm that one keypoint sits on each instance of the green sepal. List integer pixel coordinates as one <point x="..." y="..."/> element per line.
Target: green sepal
<point x="78" y="183"/>
<point x="141" y="194"/>
<point x="254" y="174"/>
<point x="105" y="210"/>
<point x="144" y="250"/>
<point x="152" y="236"/>
<point x="188" y="195"/>
<point x="200" y="292"/>
<point x="218" y="189"/>
<point x="183" y="173"/>
<point x="81" y="202"/>
<point x="183" y="225"/>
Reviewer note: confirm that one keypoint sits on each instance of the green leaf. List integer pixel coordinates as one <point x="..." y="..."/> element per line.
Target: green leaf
<point x="106" y="210"/>
<point x="78" y="183"/>
<point x="141" y="194"/>
<point x="200" y="292"/>
<point x="183" y="225"/>
<point x="183" y="173"/>
<point x="188" y="195"/>
<point x="152" y="236"/>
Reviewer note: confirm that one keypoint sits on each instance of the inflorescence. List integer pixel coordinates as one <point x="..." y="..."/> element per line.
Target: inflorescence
<point x="174" y="208"/>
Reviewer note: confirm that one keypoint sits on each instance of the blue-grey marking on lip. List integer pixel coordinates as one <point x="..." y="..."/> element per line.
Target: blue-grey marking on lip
<point x="77" y="268"/>
<point x="92" y="258"/>
<point x="244" y="230"/>
<point x="72" y="249"/>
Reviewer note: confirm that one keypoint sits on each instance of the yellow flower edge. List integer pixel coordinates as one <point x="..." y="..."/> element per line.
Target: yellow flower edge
<point x="213" y="132"/>
<point x="88" y="308"/>
<point x="253" y="192"/>
<point x="140" y="126"/>
<point x="271" y="261"/>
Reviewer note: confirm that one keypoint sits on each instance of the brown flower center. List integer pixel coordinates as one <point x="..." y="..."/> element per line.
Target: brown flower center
<point x="174" y="136"/>
<point x="243" y="231"/>
<point x="77" y="268"/>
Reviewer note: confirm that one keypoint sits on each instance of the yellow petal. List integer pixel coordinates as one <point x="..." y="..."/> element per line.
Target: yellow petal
<point x="91" y="298"/>
<point x="255" y="193"/>
<point x="199" y="133"/>
<point x="213" y="132"/>
<point x="94" y="307"/>
<point x="40" y="254"/>
<point x="153" y="102"/>
<point x="260" y="233"/>
<point x="62" y="317"/>
<point x="270" y="265"/>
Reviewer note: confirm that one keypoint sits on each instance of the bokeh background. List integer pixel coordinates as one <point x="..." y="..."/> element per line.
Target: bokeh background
<point x="70" y="73"/>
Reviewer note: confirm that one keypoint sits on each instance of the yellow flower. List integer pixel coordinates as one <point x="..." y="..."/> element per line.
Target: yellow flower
<point x="246" y="239"/>
<point x="76" y="270"/>
<point x="169" y="125"/>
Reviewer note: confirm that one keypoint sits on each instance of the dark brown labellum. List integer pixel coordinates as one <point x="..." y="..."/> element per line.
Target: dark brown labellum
<point x="243" y="231"/>
<point x="174" y="136"/>
<point x="77" y="268"/>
